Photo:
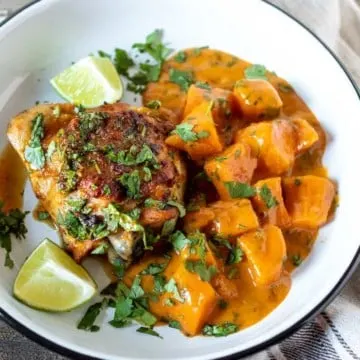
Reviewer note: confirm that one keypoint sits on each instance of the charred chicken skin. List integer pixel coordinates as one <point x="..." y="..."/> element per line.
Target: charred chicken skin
<point x="106" y="176"/>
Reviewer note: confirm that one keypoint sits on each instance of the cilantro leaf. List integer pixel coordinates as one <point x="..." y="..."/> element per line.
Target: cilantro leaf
<point x="255" y="71"/>
<point x="182" y="78"/>
<point x="154" y="104"/>
<point x="296" y="260"/>
<point x="266" y="195"/>
<point x="50" y="150"/>
<point x="34" y="152"/>
<point x="87" y="322"/>
<point x="235" y="256"/>
<point x="224" y="329"/>
<point x="180" y="57"/>
<point x="11" y="223"/>
<point x="154" y="268"/>
<point x="239" y="190"/>
<point x="179" y="240"/>
<point x="43" y="215"/>
<point x="185" y="132"/>
<point x="199" y="267"/>
<point x="172" y="288"/>
<point x="174" y="324"/>
<point x="131" y="182"/>
<point x="203" y="85"/>
<point x="148" y="331"/>
<point x="154" y="203"/>
<point x="180" y="207"/>
<point x="122" y="61"/>
<point x="136" y="291"/>
<point x="168" y="227"/>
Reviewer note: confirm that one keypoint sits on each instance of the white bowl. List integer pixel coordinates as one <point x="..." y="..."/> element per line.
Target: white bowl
<point x="46" y="36"/>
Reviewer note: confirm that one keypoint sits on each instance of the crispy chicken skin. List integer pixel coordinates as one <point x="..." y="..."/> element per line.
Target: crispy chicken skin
<point x="109" y="159"/>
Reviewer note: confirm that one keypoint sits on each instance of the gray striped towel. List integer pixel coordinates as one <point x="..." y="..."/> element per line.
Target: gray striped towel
<point x="335" y="333"/>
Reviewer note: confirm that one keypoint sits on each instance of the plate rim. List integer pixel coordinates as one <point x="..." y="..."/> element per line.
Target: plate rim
<point x="30" y="334"/>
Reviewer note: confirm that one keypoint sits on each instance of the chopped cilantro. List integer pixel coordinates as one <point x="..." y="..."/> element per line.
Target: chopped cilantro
<point x="222" y="304"/>
<point x="235" y="255"/>
<point x="148" y="331"/>
<point x="220" y="158"/>
<point x="199" y="267"/>
<point x="203" y="85"/>
<point x="255" y="71"/>
<point x="11" y="223"/>
<point x="154" y="268"/>
<point x="168" y="227"/>
<point x="136" y="291"/>
<point x="159" y="283"/>
<point x="180" y="57"/>
<point x="297" y="182"/>
<point x="122" y="61"/>
<point x="106" y="190"/>
<point x="34" y="152"/>
<point x="296" y="260"/>
<point x="131" y="182"/>
<point x="186" y="133"/>
<point x="180" y="207"/>
<point x="154" y="203"/>
<point x="239" y="190"/>
<point x="266" y="195"/>
<point x="224" y="329"/>
<point x="147" y="174"/>
<point x="87" y="322"/>
<point x="174" y="324"/>
<point x="182" y="78"/>
<point x="101" y="249"/>
<point x="154" y="104"/>
<point x="43" y="215"/>
<point x="197" y="51"/>
<point x="179" y="240"/>
<point x="90" y="122"/>
<point x="172" y="288"/>
<point x="104" y="54"/>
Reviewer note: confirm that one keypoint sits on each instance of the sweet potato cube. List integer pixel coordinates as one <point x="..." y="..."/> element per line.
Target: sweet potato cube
<point x="308" y="200"/>
<point x="306" y="135"/>
<point x="273" y="143"/>
<point x="233" y="218"/>
<point x="223" y="102"/>
<point x="265" y="251"/>
<point x="236" y="163"/>
<point x="257" y="99"/>
<point x="269" y="203"/>
<point x="197" y="134"/>
<point x="198" y="301"/>
<point x="197" y="220"/>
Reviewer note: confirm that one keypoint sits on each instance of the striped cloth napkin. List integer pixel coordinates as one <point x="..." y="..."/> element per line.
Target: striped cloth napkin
<point x="335" y="333"/>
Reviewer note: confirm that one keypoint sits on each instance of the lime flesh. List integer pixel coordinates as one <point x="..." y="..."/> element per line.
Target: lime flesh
<point x="51" y="280"/>
<point x="90" y="82"/>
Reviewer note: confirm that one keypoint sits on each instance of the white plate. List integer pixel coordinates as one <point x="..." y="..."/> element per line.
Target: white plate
<point x="45" y="37"/>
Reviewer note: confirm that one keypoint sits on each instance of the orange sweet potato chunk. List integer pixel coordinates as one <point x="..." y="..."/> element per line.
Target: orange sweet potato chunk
<point x="197" y="220"/>
<point x="269" y="203"/>
<point x="265" y="251"/>
<point x="233" y="218"/>
<point x="306" y="135"/>
<point x="273" y="143"/>
<point x="308" y="200"/>
<point x="224" y="103"/>
<point x="200" y="123"/>
<point x="236" y="163"/>
<point x="257" y="99"/>
<point x="199" y="301"/>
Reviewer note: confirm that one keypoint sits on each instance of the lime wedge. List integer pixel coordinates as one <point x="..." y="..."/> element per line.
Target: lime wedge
<point x="90" y="82"/>
<point x="51" y="280"/>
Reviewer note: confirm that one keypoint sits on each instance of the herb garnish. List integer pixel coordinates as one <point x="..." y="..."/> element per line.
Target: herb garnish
<point x="148" y="331"/>
<point x="179" y="240"/>
<point x="255" y="71"/>
<point x="266" y="195"/>
<point x="239" y="190"/>
<point x="199" y="267"/>
<point x="172" y="288"/>
<point x="34" y="152"/>
<point x="43" y="215"/>
<point x="296" y="260"/>
<point x="131" y="182"/>
<point x="186" y="133"/>
<point x="154" y="104"/>
<point x="87" y="322"/>
<point x="11" y="223"/>
<point x="183" y="78"/>
<point x="180" y="57"/>
<point x="203" y="85"/>
<point x="174" y="324"/>
<point x="224" y="329"/>
<point x="180" y="207"/>
<point x="154" y="268"/>
<point x="122" y="61"/>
